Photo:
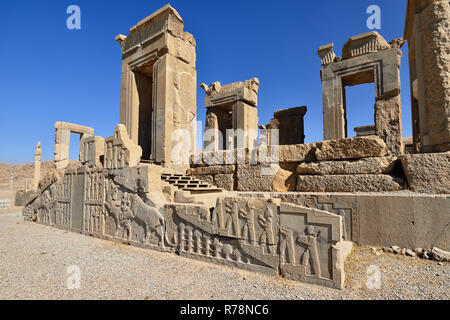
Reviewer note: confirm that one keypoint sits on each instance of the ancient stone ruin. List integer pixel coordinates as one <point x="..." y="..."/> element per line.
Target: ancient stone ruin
<point x="257" y="197"/>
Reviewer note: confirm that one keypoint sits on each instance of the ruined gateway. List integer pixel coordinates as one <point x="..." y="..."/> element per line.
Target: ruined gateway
<point x="267" y="203"/>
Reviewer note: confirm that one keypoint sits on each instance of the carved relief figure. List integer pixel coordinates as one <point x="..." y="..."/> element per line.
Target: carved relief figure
<point x="266" y="237"/>
<point x="309" y="240"/>
<point x="149" y="217"/>
<point x="125" y="215"/>
<point x="113" y="205"/>
<point x="248" y="230"/>
<point x="287" y="246"/>
<point x="232" y="222"/>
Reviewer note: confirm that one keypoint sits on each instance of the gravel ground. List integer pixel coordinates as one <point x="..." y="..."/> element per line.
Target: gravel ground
<point x="34" y="261"/>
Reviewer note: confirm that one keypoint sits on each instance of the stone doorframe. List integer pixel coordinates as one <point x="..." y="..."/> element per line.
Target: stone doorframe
<point x="159" y="46"/>
<point x="381" y="68"/>
<point x="62" y="141"/>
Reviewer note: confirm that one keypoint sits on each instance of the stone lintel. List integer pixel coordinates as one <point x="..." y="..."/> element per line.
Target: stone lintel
<point x="75" y="128"/>
<point x="218" y="95"/>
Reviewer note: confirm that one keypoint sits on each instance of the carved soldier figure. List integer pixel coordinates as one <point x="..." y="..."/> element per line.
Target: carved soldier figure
<point x="266" y="237"/>
<point x="248" y="230"/>
<point x="126" y="214"/>
<point x="232" y="224"/>
<point x="287" y="243"/>
<point x="310" y="241"/>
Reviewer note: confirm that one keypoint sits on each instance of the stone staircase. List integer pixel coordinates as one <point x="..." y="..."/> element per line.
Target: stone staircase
<point x="191" y="184"/>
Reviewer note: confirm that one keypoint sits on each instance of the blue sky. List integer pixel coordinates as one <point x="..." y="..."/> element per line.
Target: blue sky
<point x="50" y="73"/>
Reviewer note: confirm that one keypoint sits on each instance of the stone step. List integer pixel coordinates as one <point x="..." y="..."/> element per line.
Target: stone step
<point x="188" y="183"/>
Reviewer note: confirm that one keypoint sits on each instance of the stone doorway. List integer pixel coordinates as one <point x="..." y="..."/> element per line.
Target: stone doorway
<point x="358" y="99"/>
<point x="143" y="77"/>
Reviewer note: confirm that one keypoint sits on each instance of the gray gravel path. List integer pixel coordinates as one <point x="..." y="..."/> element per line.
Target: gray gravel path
<point x="34" y="261"/>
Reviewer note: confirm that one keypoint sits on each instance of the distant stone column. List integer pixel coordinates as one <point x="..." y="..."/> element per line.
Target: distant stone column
<point x="37" y="166"/>
<point x="12" y="179"/>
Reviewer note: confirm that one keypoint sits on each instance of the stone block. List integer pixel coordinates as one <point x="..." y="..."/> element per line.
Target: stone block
<point x="389" y="121"/>
<point x="224" y="181"/>
<point x="351" y="148"/>
<point x="212" y="170"/>
<point x="364" y="166"/>
<point x="255" y="177"/>
<point x="427" y="173"/>
<point x="349" y="183"/>
<point x="298" y="152"/>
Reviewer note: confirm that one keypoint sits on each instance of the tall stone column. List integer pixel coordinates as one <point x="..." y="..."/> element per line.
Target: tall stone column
<point x="37" y="166"/>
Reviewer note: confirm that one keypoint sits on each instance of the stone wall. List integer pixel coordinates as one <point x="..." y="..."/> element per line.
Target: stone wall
<point x="358" y="164"/>
<point x="408" y="220"/>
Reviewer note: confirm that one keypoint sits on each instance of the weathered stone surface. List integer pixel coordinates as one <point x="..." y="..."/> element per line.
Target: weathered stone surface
<point x="351" y="148"/>
<point x="298" y="152"/>
<point x="427" y="173"/>
<point x="359" y="45"/>
<point x="290" y="126"/>
<point x="365" y="131"/>
<point x="225" y="181"/>
<point x="364" y="166"/>
<point x="91" y="150"/>
<point x="120" y="151"/>
<point x="440" y="255"/>
<point x="217" y="95"/>
<point x="349" y="183"/>
<point x="388" y="119"/>
<point x="427" y="28"/>
<point x="212" y="170"/>
<point x="326" y="54"/>
<point x="255" y="177"/>
<point x="284" y="181"/>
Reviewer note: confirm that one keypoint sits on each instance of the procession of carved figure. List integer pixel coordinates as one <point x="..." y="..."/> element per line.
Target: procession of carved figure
<point x="193" y="240"/>
<point x="94" y="219"/>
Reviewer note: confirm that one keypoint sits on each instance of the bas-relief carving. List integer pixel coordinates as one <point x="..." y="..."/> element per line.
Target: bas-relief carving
<point x="309" y="241"/>
<point x="345" y="209"/>
<point x="255" y="234"/>
<point x="120" y="151"/>
<point x="131" y="219"/>
<point x="252" y="233"/>
<point x="191" y="228"/>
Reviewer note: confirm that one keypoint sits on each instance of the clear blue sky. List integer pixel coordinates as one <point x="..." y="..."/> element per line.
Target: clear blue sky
<point x="50" y="73"/>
